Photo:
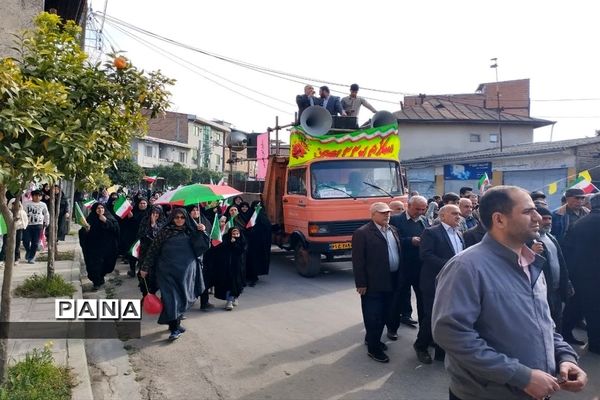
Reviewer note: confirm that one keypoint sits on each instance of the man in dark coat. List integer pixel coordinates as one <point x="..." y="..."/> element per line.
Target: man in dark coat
<point x="330" y="103"/>
<point x="438" y="245"/>
<point x="555" y="267"/>
<point x="582" y="251"/>
<point x="474" y="235"/>
<point x="306" y="100"/>
<point x="410" y="225"/>
<point x="377" y="266"/>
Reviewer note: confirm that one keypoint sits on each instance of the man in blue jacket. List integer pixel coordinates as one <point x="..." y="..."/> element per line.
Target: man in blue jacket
<point x="330" y="103"/>
<point x="491" y="315"/>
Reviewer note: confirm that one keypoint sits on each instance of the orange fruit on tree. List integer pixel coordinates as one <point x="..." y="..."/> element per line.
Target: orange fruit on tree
<point x="120" y="62"/>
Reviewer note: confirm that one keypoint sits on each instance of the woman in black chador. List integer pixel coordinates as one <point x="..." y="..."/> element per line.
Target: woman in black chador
<point x="258" y="256"/>
<point x="174" y="257"/>
<point x="99" y="242"/>
<point x="149" y="228"/>
<point x="228" y="272"/>
<point x="129" y="230"/>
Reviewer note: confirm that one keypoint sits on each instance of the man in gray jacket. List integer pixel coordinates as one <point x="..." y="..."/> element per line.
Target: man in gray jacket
<point x="491" y="315"/>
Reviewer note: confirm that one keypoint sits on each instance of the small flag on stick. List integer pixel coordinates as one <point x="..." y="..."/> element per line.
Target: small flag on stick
<point x="79" y="217"/>
<point x="122" y="207"/>
<point x="3" y="227"/>
<point x="135" y="249"/>
<point x="252" y="221"/>
<point x="483" y="182"/>
<point x="216" y="236"/>
<point x="88" y="204"/>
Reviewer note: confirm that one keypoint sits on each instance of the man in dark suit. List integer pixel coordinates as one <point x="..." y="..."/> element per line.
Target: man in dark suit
<point x="332" y="104"/>
<point x="438" y="245"/>
<point x="377" y="266"/>
<point x="410" y="225"/>
<point x="306" y="100"/>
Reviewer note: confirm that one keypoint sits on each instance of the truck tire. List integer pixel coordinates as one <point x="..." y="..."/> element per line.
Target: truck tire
<point x="307" y="264"/>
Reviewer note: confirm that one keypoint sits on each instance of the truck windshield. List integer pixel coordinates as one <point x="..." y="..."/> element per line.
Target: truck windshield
<point x="346" y="178"/>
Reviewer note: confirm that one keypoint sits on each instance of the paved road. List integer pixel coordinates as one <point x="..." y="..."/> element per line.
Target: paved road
<point x="290" y="338"/>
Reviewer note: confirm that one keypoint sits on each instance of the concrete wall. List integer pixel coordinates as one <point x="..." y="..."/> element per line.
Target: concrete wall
<point x="420" y="140"/>
<point x="16" y="15"/>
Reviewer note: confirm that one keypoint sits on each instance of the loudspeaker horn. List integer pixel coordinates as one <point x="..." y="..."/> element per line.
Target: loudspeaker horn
<point x="381" y="118"/>
<point x="316" y="121"/>
<point x="237" y="140"/>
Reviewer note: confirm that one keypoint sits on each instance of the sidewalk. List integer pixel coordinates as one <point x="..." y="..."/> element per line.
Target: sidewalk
<point x="69" y="352"/>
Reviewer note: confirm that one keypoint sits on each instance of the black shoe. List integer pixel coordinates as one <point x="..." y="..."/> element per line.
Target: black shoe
<point x="207" y="307"/>
<point x="423" y="356"/>
<point x="182" y="317"/>
<point x="382" y="346"/>
<point x="379" y="356"/>
<point x="131" y="273"/>
<point x="180" y="328"/>
<point x="392" y="336"/>
<point x="408" y="321"/>
<point x="571" y="340"/>
<point x="440" y="355"/>
<point x="252" y="284"/>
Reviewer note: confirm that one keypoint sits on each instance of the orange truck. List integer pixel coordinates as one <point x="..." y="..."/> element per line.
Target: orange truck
<point x="321" y="193"/>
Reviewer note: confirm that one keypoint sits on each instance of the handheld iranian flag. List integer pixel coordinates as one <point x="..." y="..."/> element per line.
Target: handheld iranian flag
<point x="483" y="182"/>
<point x="583" y="184"/>
<point x="88" y="204"/>
<point x="252" y="221"/>
<point x="79" y="217"/>
<point x="225" y="204"/>
<point x="122" y="207"/>
<point x="216" y="236"/>
<point x="150" y="179"/>
<point x="3" y="227"/>
<point x="135" y="249"/>
<point x="231" y="223"/>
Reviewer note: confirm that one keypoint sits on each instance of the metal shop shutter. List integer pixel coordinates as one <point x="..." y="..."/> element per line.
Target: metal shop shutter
<point x="539" y="179"/>
<point x="422" y="180"/>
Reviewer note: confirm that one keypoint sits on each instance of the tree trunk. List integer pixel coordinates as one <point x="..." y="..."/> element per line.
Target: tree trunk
<point x="9" y="257"/>
<point x="51" y="239"/>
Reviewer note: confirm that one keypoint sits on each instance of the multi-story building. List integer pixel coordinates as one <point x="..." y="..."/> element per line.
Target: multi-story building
<point x="186" y="139"/>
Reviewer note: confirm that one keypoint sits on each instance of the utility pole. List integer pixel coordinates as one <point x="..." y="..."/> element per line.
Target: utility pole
<point x="495" y="66"/>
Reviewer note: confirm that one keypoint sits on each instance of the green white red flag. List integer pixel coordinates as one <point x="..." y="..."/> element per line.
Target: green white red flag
<point x="79" y="217"/>
<point x="122" y="207"/>
<point x="216" y="236"/>
<point x="584" y="184"/>
<point x="252" y="221"/>
<point x="483" y="182"/>
<point x="3" y="227"/>
<point x="135" y="249"/>
<point x="88" y="204"/>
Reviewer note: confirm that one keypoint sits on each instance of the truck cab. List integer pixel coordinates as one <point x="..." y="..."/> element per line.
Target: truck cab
<point x="319" y="195"/>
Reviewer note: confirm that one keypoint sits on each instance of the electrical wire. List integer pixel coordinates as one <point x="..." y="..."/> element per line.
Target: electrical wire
<point x="163" y="52"/>
<point x="240" y="63"/>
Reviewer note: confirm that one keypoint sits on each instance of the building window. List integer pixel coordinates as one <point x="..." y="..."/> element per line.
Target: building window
<point x="475" y="137"/>
<point x="149" y="151"/>
<point x="182" y="157"/>
<point x="493" y="138"/>
<point x="218" y="157"/>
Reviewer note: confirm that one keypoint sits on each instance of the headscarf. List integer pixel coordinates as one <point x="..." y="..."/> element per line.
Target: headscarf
<point x="94" y="220"/>
<point x="235" y="198"/>
<point x="146" y="229"/>
<point x="245" y="216"/>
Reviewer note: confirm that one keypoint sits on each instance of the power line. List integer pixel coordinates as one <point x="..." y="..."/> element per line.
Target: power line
<point x="161" y="51"/>
<point x="240" y="63"/>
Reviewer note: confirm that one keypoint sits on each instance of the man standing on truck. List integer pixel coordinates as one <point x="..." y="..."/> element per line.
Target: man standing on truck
<point x="330" y="103"/>
<point x="377" y="262"/>
<point x="351" y="104"/>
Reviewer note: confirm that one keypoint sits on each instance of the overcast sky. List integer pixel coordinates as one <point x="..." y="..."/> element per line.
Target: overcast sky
<point x="431" y="47"/>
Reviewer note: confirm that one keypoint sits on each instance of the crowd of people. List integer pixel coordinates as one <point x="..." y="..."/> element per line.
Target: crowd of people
<point x="500" y="282"/>
<point x="176" y="256"/>
<point x="33" y="219"/>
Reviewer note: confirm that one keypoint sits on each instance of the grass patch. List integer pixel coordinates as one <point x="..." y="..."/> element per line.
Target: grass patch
<point x="60" y="256"/>
<point x="39" y="286"/>
<point x="37" y="378"/>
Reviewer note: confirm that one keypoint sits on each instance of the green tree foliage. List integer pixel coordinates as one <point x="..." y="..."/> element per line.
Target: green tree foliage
<point x="174" y="175"/>
<point x="61" y="116"/>
<point x="125" y="172"/>
<point x="205" y="175"/>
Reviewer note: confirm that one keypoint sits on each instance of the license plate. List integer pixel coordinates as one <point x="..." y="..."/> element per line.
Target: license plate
<point x="340" y="246"/>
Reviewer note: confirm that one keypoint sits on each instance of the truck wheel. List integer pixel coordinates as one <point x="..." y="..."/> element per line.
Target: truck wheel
<point x="307" y="264"/>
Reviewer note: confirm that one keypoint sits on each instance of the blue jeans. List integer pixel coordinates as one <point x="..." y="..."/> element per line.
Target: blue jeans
<point x="31" y="240"/>
<point x="376" y="312"/>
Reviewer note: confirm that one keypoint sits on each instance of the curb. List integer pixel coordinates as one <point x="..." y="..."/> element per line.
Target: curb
<point x="76" y="356"/>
